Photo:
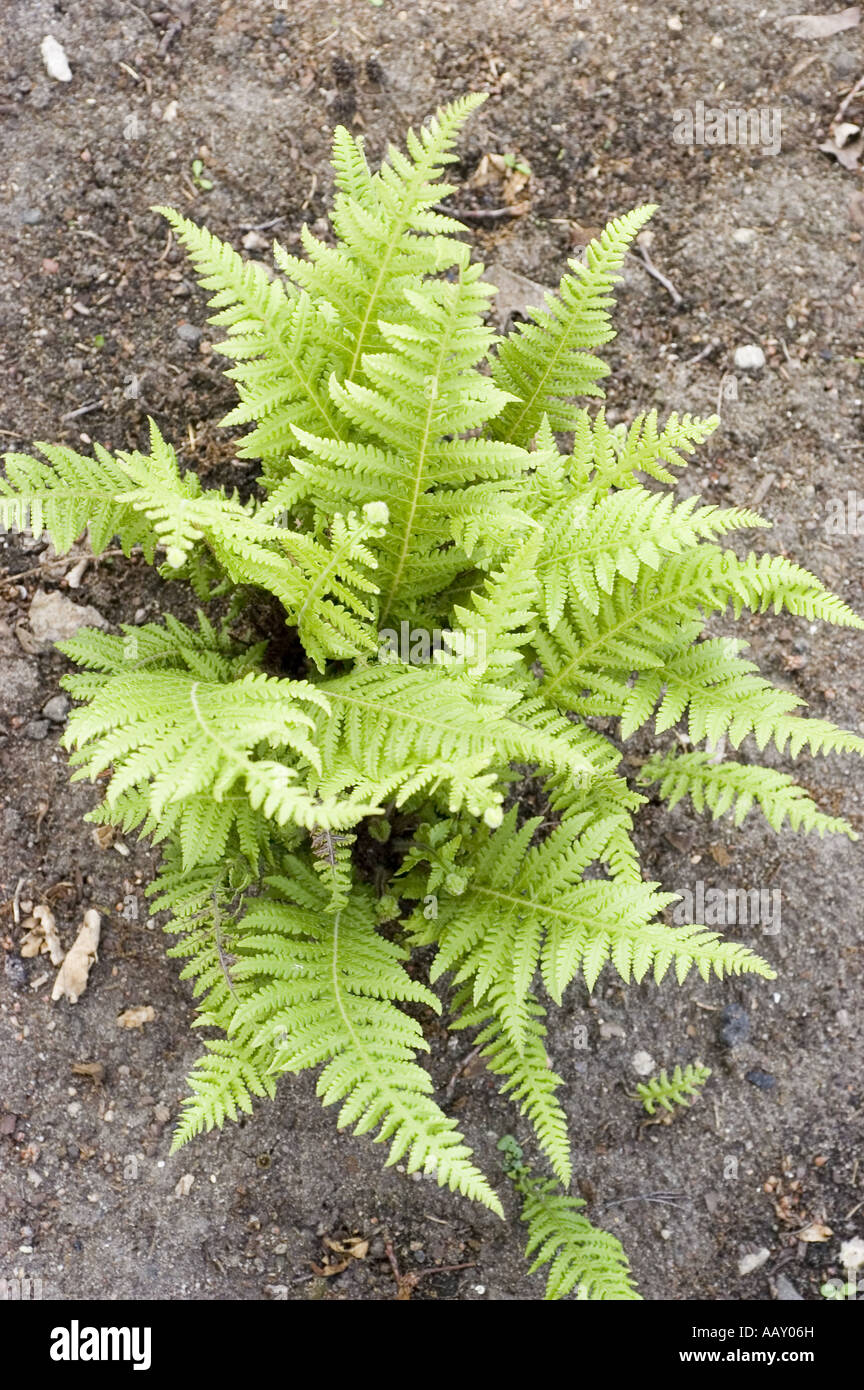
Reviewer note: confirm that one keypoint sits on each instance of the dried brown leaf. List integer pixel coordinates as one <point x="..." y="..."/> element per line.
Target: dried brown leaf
<point x="72" y="976"/>
<point x="821" y="26"/>
<point x="137" y="1016"/>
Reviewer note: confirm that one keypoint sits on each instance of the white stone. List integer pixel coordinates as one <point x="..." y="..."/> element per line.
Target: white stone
<point x="642" y="1063"/>
<point x="748" y="1264"/>
<point x="54" y="618"/>
<point x="749" y="357"/>
<point x="55" y="60"/>
<point x="852" y="1253"/>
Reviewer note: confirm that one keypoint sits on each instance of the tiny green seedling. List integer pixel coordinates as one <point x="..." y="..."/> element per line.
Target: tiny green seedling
<point x="199" y="178"/>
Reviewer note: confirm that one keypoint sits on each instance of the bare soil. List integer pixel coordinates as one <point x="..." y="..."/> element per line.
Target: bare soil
<point x="94" y="302"/>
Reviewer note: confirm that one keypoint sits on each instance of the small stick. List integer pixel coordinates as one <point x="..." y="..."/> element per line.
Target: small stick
<point x="709" y="347"/>
<point x="659" y="276"/>
<point x="259" y="226"/>
<point x="475" y="214"/>
<point x="168" y="38"/>
<point x="466" y="1061"/>
<point x="841" y="110"/>
<point x="83" y="410"/>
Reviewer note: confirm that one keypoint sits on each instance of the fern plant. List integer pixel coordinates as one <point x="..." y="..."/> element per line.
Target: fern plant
<point x="683" y="1087"/>
<point x="419" y="476"/>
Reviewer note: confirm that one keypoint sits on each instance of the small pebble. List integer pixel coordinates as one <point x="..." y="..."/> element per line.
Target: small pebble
<point x="56" y="709"/>
<point x="749" y="357"/>
<point x="786" y="1290"/>
<point x="763" y="1079"/>
<point x="744" y="236"/>
<point x="30" y="216"/>
<point x="734" y="1025"/>
<point x="748" y="1264"/>
<point x="55" y="60"/>
<point x="37" y="729"/>
<point x="15" y="971"/>
<point x="188" y="333"/>
<point x="643" y="1063"/>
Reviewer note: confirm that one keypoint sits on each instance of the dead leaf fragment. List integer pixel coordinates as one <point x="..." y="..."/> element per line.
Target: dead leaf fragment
<point x="817" y="1231"/>
<point x="355" y="1246"/>
<point x="511" y="174"/>
<point x="821" y="26"/>
<point x="41" y="936"/>
<point x="95" y="1070"/>
<point x="847" y="152"/>
<point x="184" y="1186"/>
<point x="327" y="1270"/>
<point x="72" y="976"/>
<point x="137" y="1016"/>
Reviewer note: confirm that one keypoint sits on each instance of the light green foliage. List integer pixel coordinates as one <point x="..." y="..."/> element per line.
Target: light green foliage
<point x="669" y="1091"/>
<point x="419" y="474"/>
<point x="580" y="1257"/>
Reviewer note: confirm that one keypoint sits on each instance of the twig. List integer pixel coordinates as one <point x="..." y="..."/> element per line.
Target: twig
<point x="16" y="897"/>
<point x="168" y="38"/>
<point x="83" y="410"/>
<point x="7" y="577"/>
<point x="763" y="489"/>
<point x="259" y="226"/>
<point x="667" y="1198"/>
<point x="841" y="109"/>
<point x="143" y="13"/>
<point x="659" y="276"/>
<point x="475" y="214"/>
<point x="700" y="356"/>
<point x="466" y="1061"/>
<point x="407" y="1283"/>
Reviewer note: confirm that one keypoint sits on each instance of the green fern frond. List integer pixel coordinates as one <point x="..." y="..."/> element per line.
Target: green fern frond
<point x="527" y="908"/>
<point x="731" y="786"/>
<point x="180" y="737"/>
<point x="278" y="338"/>
<point x="70" y="493"/>
<point x="389" y="237"/>
<point x="587" y="545"/>
<point x="546" y="362"/>
<point x="605" y="457"/>
<point x="435" y="729"/>
<point x="579" y="1255"/>
<point x="671" y="1091"/>
<point x="528" y="1079"/>
<point x="413" y="486"/>
<point x="721" y="695"/>
<point x="223" y="1081"/>
<point x="325" y="990"/>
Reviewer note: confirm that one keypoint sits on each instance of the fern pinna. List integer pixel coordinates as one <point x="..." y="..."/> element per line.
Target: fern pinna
<point x="419" y="475"/>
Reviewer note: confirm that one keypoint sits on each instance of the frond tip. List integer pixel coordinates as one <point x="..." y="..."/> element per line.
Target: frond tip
<point x="579" y="1255"/>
